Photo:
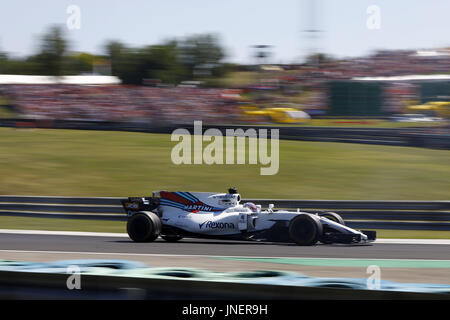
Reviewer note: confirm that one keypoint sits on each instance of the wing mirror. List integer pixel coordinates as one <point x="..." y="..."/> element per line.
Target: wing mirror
<point x="271" y="206"/>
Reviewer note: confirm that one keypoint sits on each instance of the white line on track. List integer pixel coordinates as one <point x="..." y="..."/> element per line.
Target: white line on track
<point x="124" y="235"/>
<point x="64" y="233"/>
<point x="106" y="253"/>
<point x="413" y="241"/>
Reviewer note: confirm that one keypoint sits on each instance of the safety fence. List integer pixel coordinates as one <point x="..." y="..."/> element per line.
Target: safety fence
<point x="401" y="215"/>
<point x="19" y="285"/>
<point x="438" y="138"/>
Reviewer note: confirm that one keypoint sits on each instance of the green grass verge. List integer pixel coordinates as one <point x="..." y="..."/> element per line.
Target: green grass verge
<point x="100" y="163"/>
<point x="55" y="224"/>
<point x="6" y="113"/>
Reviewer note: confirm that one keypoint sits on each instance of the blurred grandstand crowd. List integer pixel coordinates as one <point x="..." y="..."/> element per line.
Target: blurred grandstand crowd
<point x="121" y="103"/>
<point x="185" y="104"/>
<point x="386" y="64"/>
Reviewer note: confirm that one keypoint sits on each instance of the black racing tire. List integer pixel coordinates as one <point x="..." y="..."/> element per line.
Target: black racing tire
<point x="144" y="226"/>
<point x="333" y="217"/>
<point x="172" y="238"/>
<point x="305" y="230"/>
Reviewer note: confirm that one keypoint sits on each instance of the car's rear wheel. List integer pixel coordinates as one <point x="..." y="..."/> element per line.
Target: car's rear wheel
<point x="333" y="217"/>
<point x="144" y="226"/>
<point x="305" y="230"/>
<point x="172" y="238"/>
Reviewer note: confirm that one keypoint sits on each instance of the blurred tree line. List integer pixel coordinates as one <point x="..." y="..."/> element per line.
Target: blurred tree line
<point x="196" y="57"/>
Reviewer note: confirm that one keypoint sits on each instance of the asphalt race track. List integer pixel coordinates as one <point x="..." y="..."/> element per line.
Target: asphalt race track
<point x="200" y="247"/>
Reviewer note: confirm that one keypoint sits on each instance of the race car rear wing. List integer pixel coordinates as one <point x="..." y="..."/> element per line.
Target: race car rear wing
<point x="136" y="204"/>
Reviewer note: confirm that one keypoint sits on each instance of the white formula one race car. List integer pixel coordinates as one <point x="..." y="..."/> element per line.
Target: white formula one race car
<point x="174" y="215"/>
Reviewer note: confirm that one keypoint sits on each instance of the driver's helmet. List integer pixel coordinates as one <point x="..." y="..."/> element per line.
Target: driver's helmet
<point x="251" y="206"/>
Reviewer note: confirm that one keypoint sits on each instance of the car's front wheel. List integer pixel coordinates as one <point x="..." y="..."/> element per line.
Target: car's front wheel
<point x="333" y="217"/>
<point x="327" y="238"/>
<point x="144" y="226"/>
<point x="305" y="230"/>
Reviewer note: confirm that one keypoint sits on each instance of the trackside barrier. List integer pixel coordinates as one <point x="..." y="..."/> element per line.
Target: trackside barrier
<point x="403" y="215"/>
<point x="413" y="137"/>
<point x="38" y="285"/>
